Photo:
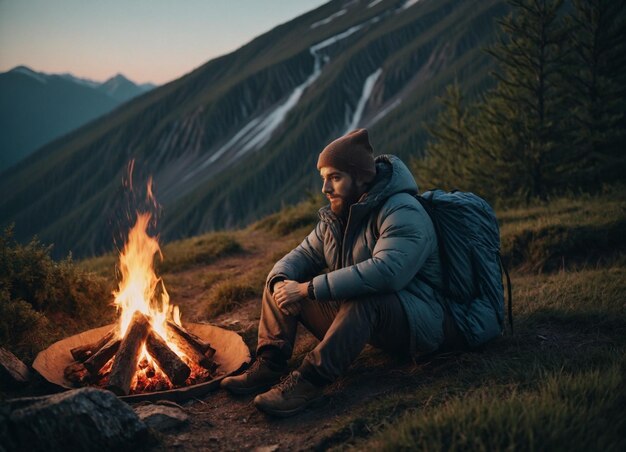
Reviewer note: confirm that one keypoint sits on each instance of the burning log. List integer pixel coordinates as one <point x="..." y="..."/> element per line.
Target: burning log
<point x="125" y="362"/>
<point x="169" y="362"/>
<point x="201" y="345"/>
<point x="83" y="352"/>
<point x="187" y="347"/>
<point x="77" y="374"/>
<point x="96" y="361"/>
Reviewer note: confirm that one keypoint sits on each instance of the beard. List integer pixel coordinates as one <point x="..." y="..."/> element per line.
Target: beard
<point x="340" y="204"/>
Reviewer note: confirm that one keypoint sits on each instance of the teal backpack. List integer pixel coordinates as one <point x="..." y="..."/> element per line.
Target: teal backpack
<point x="469" y="248"/>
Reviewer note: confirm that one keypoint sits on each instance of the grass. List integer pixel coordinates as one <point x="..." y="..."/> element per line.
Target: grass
<point x="292" y="218"/>
<point x="228" y="295"/>
<point x="178" y="256"/>
<point x="566" y="233"/>
<point x="566" y="412"/>
<point x="553" y="385"/>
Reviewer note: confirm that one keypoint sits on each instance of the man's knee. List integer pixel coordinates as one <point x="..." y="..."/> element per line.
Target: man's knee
<point x="366" y="307"/>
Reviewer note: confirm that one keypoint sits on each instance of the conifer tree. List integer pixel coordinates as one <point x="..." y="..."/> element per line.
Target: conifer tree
<point x="446" y="163"/>
<point x="596" y="80"/>
<point x="519" y="139"/>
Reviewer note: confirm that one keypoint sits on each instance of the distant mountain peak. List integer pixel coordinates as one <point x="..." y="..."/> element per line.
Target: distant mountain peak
<point x="118" y="78"/>
<point x="25" y="70"/>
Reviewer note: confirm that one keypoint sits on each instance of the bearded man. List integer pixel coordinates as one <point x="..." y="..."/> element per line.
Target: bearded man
<point x="351" y="282"/>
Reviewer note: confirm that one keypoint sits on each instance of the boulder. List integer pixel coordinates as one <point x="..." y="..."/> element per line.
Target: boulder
<point x="162" y="416"/>
<point x="86" y="419"/>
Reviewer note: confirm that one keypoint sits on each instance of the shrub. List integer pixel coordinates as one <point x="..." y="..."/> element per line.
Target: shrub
<point x="42" y="300"/>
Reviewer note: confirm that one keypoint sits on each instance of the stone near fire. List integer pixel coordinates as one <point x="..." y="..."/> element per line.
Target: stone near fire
<point x="83" y="419"/>
<point x="13" y="372"/>
<point x="162" y="416"/>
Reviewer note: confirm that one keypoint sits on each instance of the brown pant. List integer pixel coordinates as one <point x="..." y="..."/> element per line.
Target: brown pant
<point x="343" y="328"/>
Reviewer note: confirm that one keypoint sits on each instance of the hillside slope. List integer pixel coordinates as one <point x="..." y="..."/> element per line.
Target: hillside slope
<point x="554" y="383"/>
<point x="237" y="138"/>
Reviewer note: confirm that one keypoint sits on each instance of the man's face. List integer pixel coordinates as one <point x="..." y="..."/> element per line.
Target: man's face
<point x="341" y="190"/>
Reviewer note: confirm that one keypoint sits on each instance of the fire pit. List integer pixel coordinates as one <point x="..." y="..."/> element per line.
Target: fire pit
<point x="148" y="353"/>
<point x="231" y="354"/>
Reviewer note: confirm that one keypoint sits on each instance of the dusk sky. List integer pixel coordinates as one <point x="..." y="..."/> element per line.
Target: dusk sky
<point x="146" y="40"/>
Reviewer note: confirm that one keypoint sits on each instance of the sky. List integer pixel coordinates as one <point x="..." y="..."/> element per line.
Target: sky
<point x="146" y="40"/>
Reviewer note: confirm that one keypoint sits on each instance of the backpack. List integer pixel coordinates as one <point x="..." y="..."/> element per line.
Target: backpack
<point x="469" y="249"/>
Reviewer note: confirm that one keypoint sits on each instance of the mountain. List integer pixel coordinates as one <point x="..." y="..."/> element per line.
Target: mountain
<point x="122" y="89"/>
<point x="36" y="108"/>
<point x="238" y="137"/>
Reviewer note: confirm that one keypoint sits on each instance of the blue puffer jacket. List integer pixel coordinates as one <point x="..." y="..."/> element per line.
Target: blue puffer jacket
<point x="389" y="237"/>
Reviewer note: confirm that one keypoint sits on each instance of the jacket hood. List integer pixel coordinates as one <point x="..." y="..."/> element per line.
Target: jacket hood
<point x="392" y="176"/>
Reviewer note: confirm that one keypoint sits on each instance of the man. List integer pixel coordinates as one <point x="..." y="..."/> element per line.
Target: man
<point x="373" y="239"/>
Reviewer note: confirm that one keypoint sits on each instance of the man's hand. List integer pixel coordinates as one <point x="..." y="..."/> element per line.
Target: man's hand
<point x="288" y="295"/>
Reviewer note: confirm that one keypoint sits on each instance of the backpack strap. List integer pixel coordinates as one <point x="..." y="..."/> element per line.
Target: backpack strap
<point x="443" y="257"/>
<point x="509" y="292"/>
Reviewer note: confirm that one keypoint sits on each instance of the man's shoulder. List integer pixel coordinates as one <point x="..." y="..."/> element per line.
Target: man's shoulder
<point x="399" y="200"/>
<point x="406" y="203"/>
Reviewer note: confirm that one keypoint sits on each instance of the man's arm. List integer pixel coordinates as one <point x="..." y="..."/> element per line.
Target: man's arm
<point x="303" y="262"/>
<point x="407" y="239"/>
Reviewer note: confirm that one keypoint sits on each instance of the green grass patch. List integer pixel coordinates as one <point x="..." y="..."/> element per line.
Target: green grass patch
<point x="177" y="256"/>
<point x="202" y="250"/>
<point x="292" y="218"/>
<point x="227" y="295"/>
<point x="566" y="412"/>
<point x="42" y="300"/>
<point x="524" y="391"/>
<point x="565" y="234"/>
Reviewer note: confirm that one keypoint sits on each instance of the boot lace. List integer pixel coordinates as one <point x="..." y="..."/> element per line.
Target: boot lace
<point x="254" y="366"/>
<point x="289" y="382"/>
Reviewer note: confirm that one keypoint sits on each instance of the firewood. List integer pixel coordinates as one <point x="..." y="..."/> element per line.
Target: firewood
<point x="185" y="346"/>
<point x="169" y="362"/>
<point x="13" y="372"/>
<point x="96" y="361"/>
<point x="84" y="352"/>
<point x="201" y="345"/>
<point x="77" y="374"/>
<point x="125" y="362"/>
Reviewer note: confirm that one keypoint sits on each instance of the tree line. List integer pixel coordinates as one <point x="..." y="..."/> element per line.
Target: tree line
<point x="555" y="121"/>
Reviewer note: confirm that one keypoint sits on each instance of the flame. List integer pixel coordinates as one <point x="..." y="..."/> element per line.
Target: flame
<point x="138" y="286"/>
<point x="140" y="289"/>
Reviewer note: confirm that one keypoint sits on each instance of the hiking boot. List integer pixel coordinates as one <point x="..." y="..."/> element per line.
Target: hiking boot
<point x="257" y="378"/>
<point x="289" y="397"/>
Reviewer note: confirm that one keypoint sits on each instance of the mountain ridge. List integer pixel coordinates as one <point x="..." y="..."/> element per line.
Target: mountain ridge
<point x="71" y="191"/>
<point x="37" y="107"/>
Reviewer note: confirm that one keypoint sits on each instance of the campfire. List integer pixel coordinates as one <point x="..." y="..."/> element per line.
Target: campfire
<point x="148" y="349"/>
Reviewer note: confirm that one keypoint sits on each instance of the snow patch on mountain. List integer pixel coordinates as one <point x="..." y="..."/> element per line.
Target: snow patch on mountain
<point x="41" y="78"/>
<point x="407" y="4"/>
<point x="374" y="3"/>
<point x="329" y="19"/>
<point x="368" y="86"/>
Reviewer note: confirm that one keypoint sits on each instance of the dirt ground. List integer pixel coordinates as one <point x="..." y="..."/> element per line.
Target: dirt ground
<point x="221" y="421"/>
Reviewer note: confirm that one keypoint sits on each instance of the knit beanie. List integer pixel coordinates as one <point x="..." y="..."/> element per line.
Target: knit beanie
<point x="350" y="153"/>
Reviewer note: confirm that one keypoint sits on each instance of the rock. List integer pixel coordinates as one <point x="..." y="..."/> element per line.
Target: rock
<point x="162" y="416"/>
<point x="13" y="372"/>
<point x="86" y="419"/>
<point x="270" y="448"/>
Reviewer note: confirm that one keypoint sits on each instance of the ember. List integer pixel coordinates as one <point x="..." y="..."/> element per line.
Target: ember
<point x="149" y="349"/>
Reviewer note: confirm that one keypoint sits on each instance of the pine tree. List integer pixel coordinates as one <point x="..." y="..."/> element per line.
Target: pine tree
<point x="519" y="139"/>
<point x="448" y="153"/>
<point x="596" y="80"/>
